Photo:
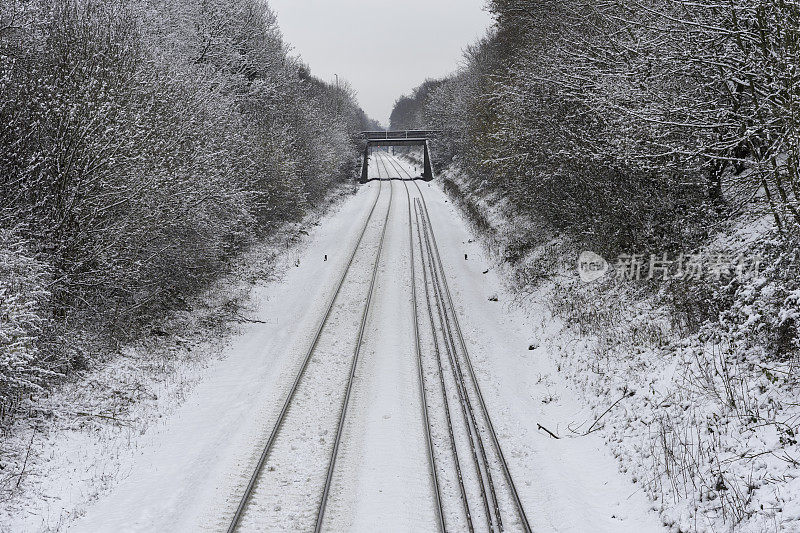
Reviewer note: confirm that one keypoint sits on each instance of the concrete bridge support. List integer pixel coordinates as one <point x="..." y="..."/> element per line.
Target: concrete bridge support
<point x="427" y="173"/>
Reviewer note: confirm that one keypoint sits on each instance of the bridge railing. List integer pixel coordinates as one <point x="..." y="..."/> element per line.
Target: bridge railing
<point x="405" y="134"/>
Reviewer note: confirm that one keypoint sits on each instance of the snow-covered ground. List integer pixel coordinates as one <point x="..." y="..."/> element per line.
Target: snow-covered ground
<point x="704" y="420"/>
<point x="185" y="471"/>
<point x="382" y="481"/>
<point x="566" y="484"/>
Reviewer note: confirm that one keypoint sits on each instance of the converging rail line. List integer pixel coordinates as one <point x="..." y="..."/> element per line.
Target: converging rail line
<point x="440" y="523"/>
<point x="477" y="421"/>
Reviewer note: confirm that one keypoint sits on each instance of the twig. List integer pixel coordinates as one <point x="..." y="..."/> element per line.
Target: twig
<point x="624" y="394"/>
<point x="548" y="431"/>
<point x="107" y="417"/>
<point x="27" y="454"/>
<point x="242" y="318"/>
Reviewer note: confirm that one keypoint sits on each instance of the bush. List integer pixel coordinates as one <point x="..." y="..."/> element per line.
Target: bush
<point x="24" y="297"/>
<point x="142" y="145"/>
<point x="620" y="124"/>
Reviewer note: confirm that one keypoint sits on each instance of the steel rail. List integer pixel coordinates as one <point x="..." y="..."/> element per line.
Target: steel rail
<point x="423" y="395"/>
<point x="503" y="462"/>
<point x="481" y="463"/>
<point x="378" y="168"/>
<point x="243" y="502"/>
<point x="343" y="413"/>
<point x="482" y="468"/>
<point x="383" y="160"/>
<point x="443" y="388"/>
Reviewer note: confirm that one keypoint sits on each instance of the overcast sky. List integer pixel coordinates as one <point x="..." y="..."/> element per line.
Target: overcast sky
<point x="384" y="48"/>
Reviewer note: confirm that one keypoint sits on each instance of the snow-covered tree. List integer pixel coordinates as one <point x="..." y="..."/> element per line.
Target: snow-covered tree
<point x="144" y="142"/>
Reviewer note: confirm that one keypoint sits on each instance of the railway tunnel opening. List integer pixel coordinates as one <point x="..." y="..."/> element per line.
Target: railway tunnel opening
<point x="382" y="139"/>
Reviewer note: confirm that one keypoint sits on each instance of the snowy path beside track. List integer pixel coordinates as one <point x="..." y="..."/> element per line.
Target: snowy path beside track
<point x="567" y="485"/>
<point x="190" y="473"/>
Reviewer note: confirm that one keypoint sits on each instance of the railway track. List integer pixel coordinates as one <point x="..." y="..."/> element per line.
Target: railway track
<point x="362" y="326"/>
<point x="478" y="492"/>
<point x="251" y="489"/>
<point x="440" y="521"/>
<point x="483" y="448"/>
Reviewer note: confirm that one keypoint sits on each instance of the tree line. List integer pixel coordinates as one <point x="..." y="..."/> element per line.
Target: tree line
<point x="626" y="124"/>
<point x="646" y="127"/>
<point x="142" y="144"/>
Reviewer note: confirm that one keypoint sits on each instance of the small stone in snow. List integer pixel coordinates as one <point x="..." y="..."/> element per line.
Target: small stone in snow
<point x="493" y="298"/>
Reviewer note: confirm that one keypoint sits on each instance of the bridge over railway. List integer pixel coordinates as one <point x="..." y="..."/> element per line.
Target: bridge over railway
<point x="377" y="139"/>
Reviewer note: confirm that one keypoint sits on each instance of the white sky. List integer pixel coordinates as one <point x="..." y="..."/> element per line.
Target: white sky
<point x="384" y="48"/>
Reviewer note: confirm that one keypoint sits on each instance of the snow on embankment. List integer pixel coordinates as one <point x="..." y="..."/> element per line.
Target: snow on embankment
<point x="85" y="437"/>
<point x="692" y="381"/>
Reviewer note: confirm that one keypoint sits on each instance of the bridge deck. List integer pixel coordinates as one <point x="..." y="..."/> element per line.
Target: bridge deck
<point x="397" y="142"/>
<point x="397" y="138"/>
<point x="405" y="134"/>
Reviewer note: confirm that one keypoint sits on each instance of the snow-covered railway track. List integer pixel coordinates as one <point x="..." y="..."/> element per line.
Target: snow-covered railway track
<point x="440" y="521"/>
<point x="472" y="484"/>
<point x="288" y="467"/>
<point x="487" y="494"/>
<point x="359" y="342"/>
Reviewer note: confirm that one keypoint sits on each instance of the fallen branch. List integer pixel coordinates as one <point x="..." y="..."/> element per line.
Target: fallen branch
<point x="592" y="428"/>
<point x="27" y="455"/>
<point x="548" y="431"/>
<point x="107" y="417"/>
<point x="240" y="318"/>
<point x="624" y="394"/>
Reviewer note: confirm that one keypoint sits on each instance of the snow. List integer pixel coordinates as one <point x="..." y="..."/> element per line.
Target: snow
<point x="216" y="404"/>
<point x="191" y="479"/>
<point x="708" y="420"/>
<point x="185" y="470"/>
<point x="383" y="470"/>
<point x="567" y="484"/>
